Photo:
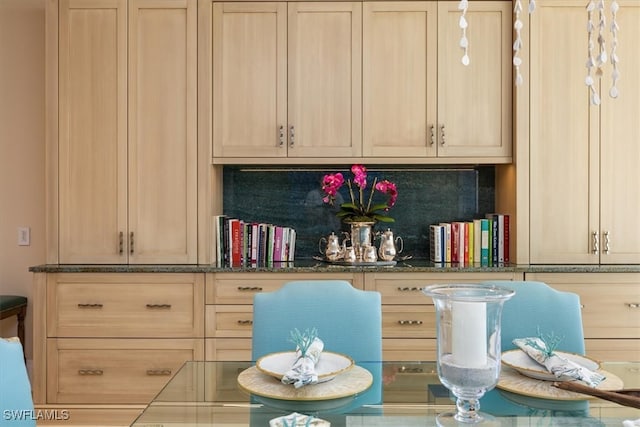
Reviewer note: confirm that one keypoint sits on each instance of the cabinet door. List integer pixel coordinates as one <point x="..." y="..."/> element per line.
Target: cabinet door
<point x="474" y="101"/>
<point x="249" y="79"/>
<point x="324" y="77"/>
<point x="563" y="138"/>
<point x="399" y="78"/>
<point x="620" y="147"/>
<point x="162" y="131"/>
<point x="92" y="178"/>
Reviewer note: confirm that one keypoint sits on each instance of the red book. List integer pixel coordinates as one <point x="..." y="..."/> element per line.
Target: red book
<point x="455" y="242"/>
<point x="236" y="242"/>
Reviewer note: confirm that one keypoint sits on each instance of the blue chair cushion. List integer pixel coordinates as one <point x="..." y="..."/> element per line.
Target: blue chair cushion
<point x="16" y="403"/>
<point x="537" y="306"/>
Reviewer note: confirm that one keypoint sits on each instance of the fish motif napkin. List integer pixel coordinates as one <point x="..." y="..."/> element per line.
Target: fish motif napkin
<point x="298" y="420"/>
<point x="560" y="367"/>
<point x="308" y="351"/>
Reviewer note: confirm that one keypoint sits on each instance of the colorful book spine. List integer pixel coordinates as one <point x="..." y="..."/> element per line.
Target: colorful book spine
<point x="507" y="258"/>
<point x="484" y="242"/>
<point x="436" y="237"/>
<point x="477" y="240"/>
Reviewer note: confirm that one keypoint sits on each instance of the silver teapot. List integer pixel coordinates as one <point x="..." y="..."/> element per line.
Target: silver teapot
<point x="333" y="250"/>
<point x="388" y="250"/>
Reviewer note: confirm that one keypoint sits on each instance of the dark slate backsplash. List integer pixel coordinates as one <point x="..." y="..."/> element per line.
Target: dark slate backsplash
<point x="293" y="197"/>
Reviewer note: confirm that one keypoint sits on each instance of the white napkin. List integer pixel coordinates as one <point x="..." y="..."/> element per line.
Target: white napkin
<point x="559" y="366"/>
<point x="303" y="371"/>
<point x="631" y="423"/>
<point x="298" y="420"/>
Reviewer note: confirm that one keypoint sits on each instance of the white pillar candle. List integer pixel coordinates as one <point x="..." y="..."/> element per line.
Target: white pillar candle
<point x="469" y="334"/>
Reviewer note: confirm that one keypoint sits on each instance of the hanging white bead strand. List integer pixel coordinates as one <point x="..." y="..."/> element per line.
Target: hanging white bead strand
<point x="517" y="43"/>
<point x="464" y="41"/>
<point x="589" y="81"/>
<point x="615" y="74"/>
<point x="602" y="24"/>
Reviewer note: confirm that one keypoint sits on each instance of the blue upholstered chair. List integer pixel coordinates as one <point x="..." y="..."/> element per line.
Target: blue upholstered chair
<point x="16" y="404"/>
<point x="348" y="320"/>
<point x="537" y="305"/>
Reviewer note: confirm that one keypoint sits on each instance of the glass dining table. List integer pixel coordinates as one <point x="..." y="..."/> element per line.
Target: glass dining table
<point x="400" y="394"/>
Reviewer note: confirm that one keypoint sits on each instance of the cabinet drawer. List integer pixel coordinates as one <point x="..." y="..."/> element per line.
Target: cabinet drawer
<point x="408" y="322"/>
<point x="239" y="288"/>
<point x="228" y="349"/>
<point x="114" y="370"/>
<point x="231" y="321"/>
<point x="127" y="305"/>
<point x="610" y="301"/>
<point x="413" y="349"/>
<point x="406" y="288"/>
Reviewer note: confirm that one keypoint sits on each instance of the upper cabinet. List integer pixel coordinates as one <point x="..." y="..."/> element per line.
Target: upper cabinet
<point x="419" y="100"/>
<point x="286" y="79"/>
<point x="328" y="80"/>
<point x="125" y="132"/>
<point x="584" y="165"/>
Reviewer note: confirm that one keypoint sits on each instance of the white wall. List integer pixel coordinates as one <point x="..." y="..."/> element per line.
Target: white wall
<point x="22" y="153"/>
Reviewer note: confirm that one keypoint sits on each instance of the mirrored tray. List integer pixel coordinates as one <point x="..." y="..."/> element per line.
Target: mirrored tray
<point x="363" y="263"/>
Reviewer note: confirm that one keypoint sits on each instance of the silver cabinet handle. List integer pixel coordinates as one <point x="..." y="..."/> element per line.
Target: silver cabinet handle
<point x="409" y="289"/>
<point x="131" y="243"/>
<point x="605" y="242"/>
<point x="410" y="322"/>
<point x="95" y="372"/>
<point x="634" y="304"/>
<point x="291" y="136"/>
<point x="596" y="243"/>
<point x="281" y="136"/>
<point x="158" y="306"/>
<point x="121" y="243"/>
<point x="432" y="135"/>
<point x="249" y="288"/>
<point x="158" y="372"/>
<point x="442" y="135"/>
<point x="85" y="305"/>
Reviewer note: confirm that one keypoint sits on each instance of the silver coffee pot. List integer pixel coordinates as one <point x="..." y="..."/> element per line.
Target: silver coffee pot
<point x="389" y="247"/>
<point x="333" y="250"/>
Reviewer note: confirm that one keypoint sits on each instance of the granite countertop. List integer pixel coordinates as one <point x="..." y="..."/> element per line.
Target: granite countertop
<point x="310" y="265"/>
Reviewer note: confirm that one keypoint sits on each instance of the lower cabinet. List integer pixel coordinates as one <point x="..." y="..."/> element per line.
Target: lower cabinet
<point x="113" y="338"/>
<point x="610" y="310"/>
<point x="122" y="371"/>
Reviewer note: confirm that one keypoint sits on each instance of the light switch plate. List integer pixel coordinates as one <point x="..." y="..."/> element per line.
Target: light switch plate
<point x="24" y="236"/>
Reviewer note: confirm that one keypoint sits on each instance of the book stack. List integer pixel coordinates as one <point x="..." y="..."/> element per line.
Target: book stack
<point x="237" y="242"/>
<point x="482" y="241"/>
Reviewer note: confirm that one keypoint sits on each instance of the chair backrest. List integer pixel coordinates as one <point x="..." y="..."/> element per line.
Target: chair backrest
<point x="348" y="320"/>
<point x="16" y="404"/>
<point x="536" y="305"/>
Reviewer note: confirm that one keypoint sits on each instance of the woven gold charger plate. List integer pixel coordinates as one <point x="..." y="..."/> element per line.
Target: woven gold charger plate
<point x="513" y="381"/>
<point x="349" y="383"/>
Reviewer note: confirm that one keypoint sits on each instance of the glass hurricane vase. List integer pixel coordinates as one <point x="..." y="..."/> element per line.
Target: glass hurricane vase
<point x="468" y="341"/>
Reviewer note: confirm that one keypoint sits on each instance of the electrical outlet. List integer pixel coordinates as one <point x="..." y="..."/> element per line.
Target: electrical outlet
<point x="24" y="236"/>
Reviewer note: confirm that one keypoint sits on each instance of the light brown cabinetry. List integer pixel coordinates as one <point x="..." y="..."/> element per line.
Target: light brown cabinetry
<point x="115" y="338"/>
<point x="584" y="162"/>
<point x="229" y="307"/>
<point x="408" y="316"/>
<point x="123" y="143"/>
<point x="418" y="97"/>
<point x="610" y="310"/>
<point x="286" y="79"/>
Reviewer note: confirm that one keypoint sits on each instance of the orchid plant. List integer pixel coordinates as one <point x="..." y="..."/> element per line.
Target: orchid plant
<point x="360" y="208"/>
